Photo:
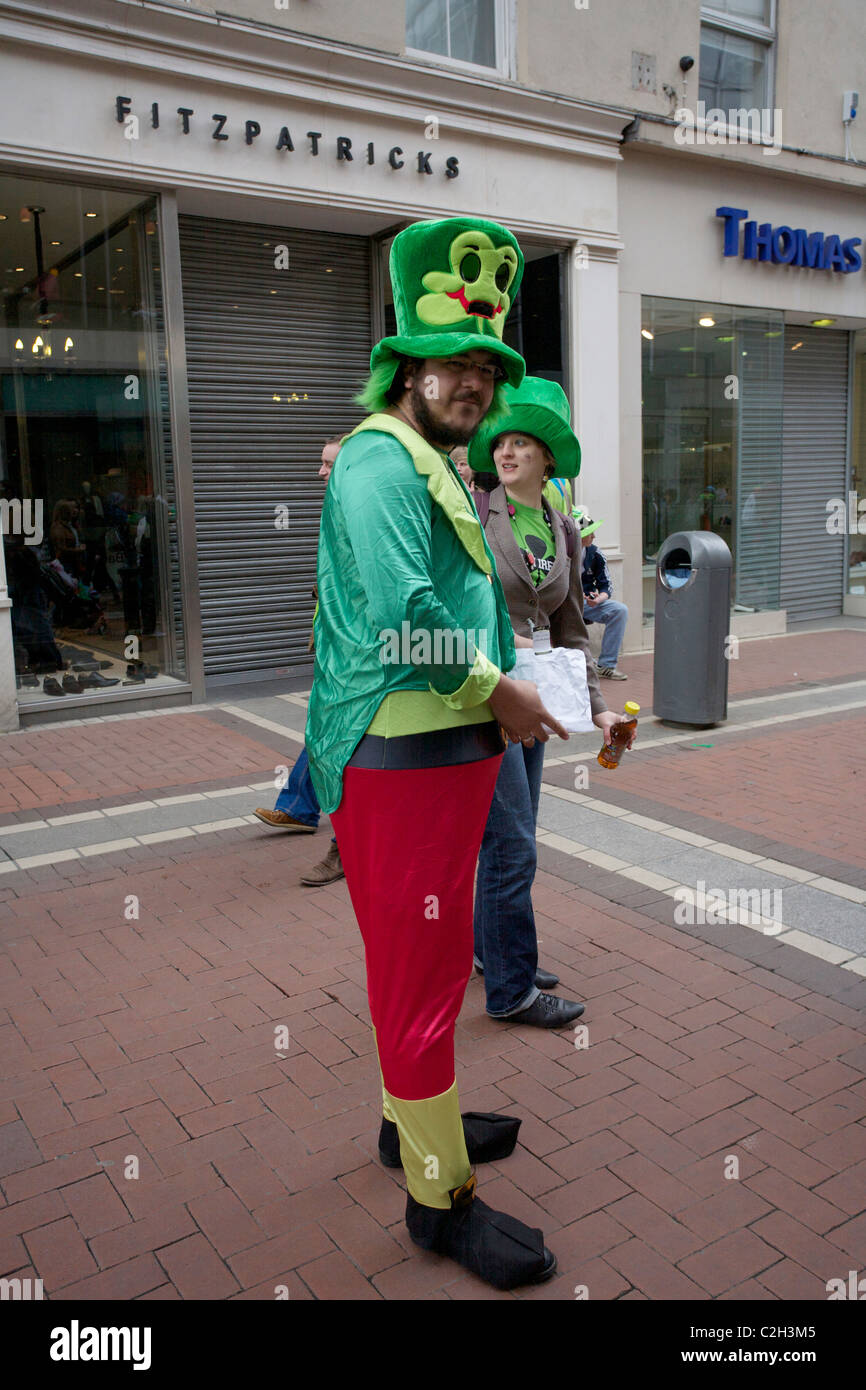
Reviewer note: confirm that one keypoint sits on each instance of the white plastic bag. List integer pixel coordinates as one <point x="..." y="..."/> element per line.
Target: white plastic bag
<point x="560" y="675"/>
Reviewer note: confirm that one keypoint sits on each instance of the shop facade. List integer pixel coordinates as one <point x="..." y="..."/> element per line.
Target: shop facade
<point x="193" y="268"/>
<point x="743" y="382"/>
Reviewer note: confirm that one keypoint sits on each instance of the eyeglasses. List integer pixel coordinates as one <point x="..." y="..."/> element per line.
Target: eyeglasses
<point x="461" y="366"/>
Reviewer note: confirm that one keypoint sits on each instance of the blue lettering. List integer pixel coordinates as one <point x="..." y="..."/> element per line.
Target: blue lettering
<point x="780" y="255"/>
<point x="733" y="217"/>
<point x="757" y="241"/>
<point x="810" y="249"/>
<point x="788" y="246"/>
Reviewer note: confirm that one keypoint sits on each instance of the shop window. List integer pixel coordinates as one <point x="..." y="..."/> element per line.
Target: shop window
<point x="472" y="33"/>
<point x="736" y="55"/>
<point x="86" y="467"/>
<point x="712" y="437"/>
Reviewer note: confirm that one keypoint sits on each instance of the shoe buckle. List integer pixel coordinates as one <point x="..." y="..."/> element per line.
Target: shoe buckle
<point x="464" y="1195"/>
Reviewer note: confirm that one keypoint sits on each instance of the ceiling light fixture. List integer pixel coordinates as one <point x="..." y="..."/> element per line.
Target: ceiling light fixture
<point x="707" y="321"/>
<point x="645" y="333"/>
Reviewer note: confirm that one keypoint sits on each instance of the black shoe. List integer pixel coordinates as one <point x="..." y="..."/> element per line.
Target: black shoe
<point x="51" y="686"/>
<point x="86" y="664"/>
<point x="97" y="682"/>
<point x="141" y="668"/>
<point x="544" y="979"/>
<point x="488" y="1136"/>
<point x="498" y="1248"/>
<point x="133" y="676"/>
<point x="71" y="685"/>
<point x="547" y="1012"/>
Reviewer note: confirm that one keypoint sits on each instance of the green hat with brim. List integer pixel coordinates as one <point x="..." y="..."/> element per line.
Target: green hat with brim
<point x="585" y="523"/>
<point x="537" y="407"/>
<point x="454" y="281"/>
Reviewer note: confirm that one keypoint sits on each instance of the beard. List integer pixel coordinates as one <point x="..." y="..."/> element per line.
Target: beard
<point x="435" y="431"/>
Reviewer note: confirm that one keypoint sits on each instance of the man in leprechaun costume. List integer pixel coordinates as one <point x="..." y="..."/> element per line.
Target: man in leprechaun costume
<point x="406" y="714"/>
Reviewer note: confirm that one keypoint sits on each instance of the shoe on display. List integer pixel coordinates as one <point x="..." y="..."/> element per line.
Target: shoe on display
<point x="72" y="685"/>
<point x="488" y="1137"/>
<point x="328" y="871"/>
<point x="281" y="820"/>
<point x="51" y="686"/>
<point x="138" y="669"/>
<point x="497" y="1247"/>
<point x="85" y="665"/>
<point x="97" y="682"/>
<point x="610" y="673"/>
<point x="547" y="1012"/>
<point x="544" y="979"/>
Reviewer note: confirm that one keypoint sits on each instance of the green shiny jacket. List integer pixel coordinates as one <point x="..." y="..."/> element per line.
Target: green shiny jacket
<point x="409" y="597"/>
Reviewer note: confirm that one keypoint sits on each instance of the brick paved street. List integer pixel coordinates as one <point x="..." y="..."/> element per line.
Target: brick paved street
<point x="153" y="1036"/>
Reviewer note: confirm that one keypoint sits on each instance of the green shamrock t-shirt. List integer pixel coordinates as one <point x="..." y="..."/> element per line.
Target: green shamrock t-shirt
<point x="534" y="538"/>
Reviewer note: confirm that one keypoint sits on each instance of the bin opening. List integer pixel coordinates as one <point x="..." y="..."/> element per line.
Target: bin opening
<point x="677" y="569"/>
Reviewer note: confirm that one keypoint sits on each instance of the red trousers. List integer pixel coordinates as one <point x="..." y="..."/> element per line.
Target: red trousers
<point x="409" y="842"/>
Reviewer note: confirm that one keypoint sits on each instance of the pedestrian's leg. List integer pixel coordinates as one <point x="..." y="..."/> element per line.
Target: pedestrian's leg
<point x="614" y="615"/>
<point x="416" y="928"/>
<point x="504" y="922"/>
<point x="415" y="920"/>
<point x="298" y="797"/>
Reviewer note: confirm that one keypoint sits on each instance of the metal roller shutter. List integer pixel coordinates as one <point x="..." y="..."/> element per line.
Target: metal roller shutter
<point x="274" y="358"/>
<point x="814" y="453"/>
<point x="759" y="360"/>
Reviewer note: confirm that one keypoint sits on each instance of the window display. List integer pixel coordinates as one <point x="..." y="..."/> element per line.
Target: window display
<point x="85" y="447"/>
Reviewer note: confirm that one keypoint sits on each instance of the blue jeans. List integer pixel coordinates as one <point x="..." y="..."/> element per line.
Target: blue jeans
<point x="614" y="615"/>
<point x="505" y="941"/>
<point x="298" y="797"/>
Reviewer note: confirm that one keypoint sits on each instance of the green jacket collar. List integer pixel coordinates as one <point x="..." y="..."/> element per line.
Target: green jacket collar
<point x="447" y="490"/>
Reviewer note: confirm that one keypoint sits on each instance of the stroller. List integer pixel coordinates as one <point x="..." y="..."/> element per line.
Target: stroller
<point x="76" y="604"/>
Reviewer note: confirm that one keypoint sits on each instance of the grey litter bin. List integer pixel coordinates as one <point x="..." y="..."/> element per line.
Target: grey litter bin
<point x="693" y="601"/>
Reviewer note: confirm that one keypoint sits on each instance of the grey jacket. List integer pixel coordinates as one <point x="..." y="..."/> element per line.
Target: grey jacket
<point x="557" y="602"/>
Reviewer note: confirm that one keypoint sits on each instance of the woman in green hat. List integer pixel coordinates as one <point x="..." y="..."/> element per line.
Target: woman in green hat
<point x="537" y="553"/>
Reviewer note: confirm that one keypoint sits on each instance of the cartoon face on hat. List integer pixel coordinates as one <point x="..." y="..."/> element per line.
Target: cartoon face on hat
<point x="454" y="281"/>
<point x="476" y="285"/>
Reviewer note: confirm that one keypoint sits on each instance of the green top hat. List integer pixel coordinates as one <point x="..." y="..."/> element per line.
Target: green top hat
<point x="537" y="407"/>
<point x="454" y="282"/>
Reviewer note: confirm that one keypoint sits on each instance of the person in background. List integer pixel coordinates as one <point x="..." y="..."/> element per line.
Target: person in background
<point x="598" y="605"/>
<point x="297" y="806"/>
<point x="460" y="458"/>
<point x="537" y="554"/>
<point x="64" y="538"/>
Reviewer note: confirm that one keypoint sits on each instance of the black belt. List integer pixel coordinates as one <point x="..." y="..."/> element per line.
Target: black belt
<point x="463" y="743"/>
